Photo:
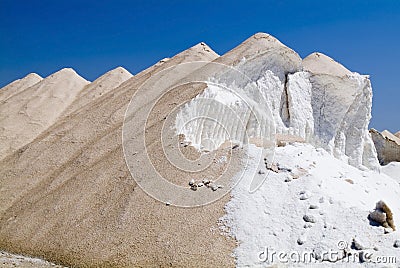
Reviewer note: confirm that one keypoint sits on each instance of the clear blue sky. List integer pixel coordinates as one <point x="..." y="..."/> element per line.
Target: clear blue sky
<point x="95" y="36"/>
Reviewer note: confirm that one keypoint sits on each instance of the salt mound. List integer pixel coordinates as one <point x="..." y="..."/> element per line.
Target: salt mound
<point x="262" y="52"/>
<point x="19" y="85"/>
<point x="76" y="202"/>
<point x="105" y="83"/>
<point x="397" y="134"/>
<point x="25" y="115"/>
<point x="387" y="145"/>
<point x="319" y="63"/>
<point x="387" y="134"/>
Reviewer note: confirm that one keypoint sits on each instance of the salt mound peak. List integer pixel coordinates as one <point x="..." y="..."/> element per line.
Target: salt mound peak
<point x="116" y="72"/>
<point x="162" y="61"/>
<point x="264" y="40"/>
<point x="113" y="78"/>
<point x="198" y="52"/>
<point x="103" y="84"/>
<point x="203" y="47"/>
<point x="397" y="134"/>
<point x="389" y="135"/>
<point x="259" y="43"/>
<point x="200" y="48"/>
<point x="67" y="73"/>
<point x="262" y="52"/>
<point x="319" y="63"/>
<point x="33" y="76"/>
<point x="19" y="85"/>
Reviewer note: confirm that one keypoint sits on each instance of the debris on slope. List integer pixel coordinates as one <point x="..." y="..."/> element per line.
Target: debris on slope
<point x="317" y="213"/>
<point x="382" y="215"/>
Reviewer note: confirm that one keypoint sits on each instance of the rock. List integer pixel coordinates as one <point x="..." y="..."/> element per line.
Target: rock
<point x="309" y="218"/>
<point x="301" y="240"/>
<point x="213" y="187"/>
<point x="387" y="230"/>
<point x="396" y="244"/>
<point x="365" y="256"/>
<point x="378" y="217"/>
<point x="349" y="181"/>
<point x="298" y="172"/>
<point x="288" y="178"/>
<point x="261" y="172"/>
<point x="307" y="225"/>
<point x="191" y="182"/>
<point x="194" y="187"/>
<point x="206" y="182"/>
<point x="382" y="215"/>
<point x="200" y="184"/>
<point x="357" y="245"/>
<point x="313" y="206"/>
<point x="284" y="169"/>
<point x="272" y="167"/>
<point x="304" y="195"/>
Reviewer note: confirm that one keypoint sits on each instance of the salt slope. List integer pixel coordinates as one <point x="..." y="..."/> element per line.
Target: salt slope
<point x="25" y="115"/>
<point x="19" y="85"/>
<point x="78" y="205"/>
<point x="105" y="83"/>
<point x="397" y="134"/>
<point x="392" y="170"/>
<point x="338" y="197"/>
<point x="330" y="108"/>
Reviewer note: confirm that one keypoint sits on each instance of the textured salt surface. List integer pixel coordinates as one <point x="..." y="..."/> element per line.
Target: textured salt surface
<point x="337" y="196"/>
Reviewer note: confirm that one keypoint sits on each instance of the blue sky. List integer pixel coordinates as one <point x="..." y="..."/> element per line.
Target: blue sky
<point x="95" y="36"/>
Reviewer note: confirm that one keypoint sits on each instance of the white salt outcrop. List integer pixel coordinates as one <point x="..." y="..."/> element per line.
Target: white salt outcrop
<point x="342" y="104"/>
<point x="275" y="92"/>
